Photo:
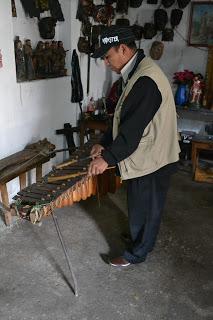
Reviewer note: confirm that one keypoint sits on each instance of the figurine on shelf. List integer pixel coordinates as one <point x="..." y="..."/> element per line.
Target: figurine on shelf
<point x="28" y="56"/>
<point x="47" y="59"/>
<point x="196" y="90"/>
<point x="19" y="59"/>
<point x="38" y="60"/>
<point x="54" y="56"/>
<point x="61" y="58"/>
<point x="13" y="5"/>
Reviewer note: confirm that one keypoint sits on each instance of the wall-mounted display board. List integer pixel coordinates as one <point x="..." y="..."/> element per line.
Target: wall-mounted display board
<point x="39" y="52"/>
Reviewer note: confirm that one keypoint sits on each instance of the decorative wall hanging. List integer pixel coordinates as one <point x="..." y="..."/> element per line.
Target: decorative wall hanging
<point x="156" y="50"/>
<point x="28" y="57"/>
<point x="104" y="14"/>
<point x="149" y="30"/>
<point x="19" y="58"/>
<point x="167" y="3"/>
<point x="13" y="5"/>
<point x="176" y="16"/>
<point x="47" y="60"/>
<point x="33" y="8"/>
<point x="43" y="5"/>
<point x="55" y="10"/>
<point x="135" y="3"/>
<point x="122" y="6"/>
<point x="85" y="10"/>
<point x="77" y="89"/>
<point x="138" y="31"/>
<point x="123" y="22"/>
<point x="152" y="1"/>
<point x="200" y="28"/>
<point x="183" y="3"/>
<point x="86" y="28"/>
<point x="95" y="36"/>
<point x="160" y="19"/>
<point x="46" y="27"/>
<point x="167" y="34"/>
<point x="30" y="8"/>
<point x="84" y="45"/>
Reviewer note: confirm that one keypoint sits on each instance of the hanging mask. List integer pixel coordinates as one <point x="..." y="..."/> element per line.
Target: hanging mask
<point x="167" y="35"/>
<point x="161" y="19"/>
<point x="135" y="3"/>
<point x="138" y="31"/>
<point x="85" y="10"/>
<point x="149" y="30"/>
<point x="156" y="50"/>
<point x="152" y="1"/>
<point x="96" y="32"/>
<point x="83" y="45"/>
<point x="167" y="3"/>
<point x="122" y="6"/>
<point x="86" y="28"/>
<point x="47" y="27"/>
<point x="183" y="3"/>
<point x="104" y="14"/>
<point x="176" y="16"/>
<point x="122" y="22"/>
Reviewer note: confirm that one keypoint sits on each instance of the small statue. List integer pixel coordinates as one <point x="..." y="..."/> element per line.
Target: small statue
<point x="196" y="90"/>
<point x="13" y="5"/>
<point x="47" y="58"/>
<point x="28" y="56"/>
<point x="54" y="56"/>
<point x="61" y="59"/>
<point x="20" y="62"/>
<point x="38" y="60"/>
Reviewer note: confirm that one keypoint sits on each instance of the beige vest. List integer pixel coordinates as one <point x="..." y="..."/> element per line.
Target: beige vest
<point x="159" y="144"/>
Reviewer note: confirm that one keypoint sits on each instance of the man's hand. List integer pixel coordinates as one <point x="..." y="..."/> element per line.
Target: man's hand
<point x="96" y="151"/>
<point x="97" y="166"/>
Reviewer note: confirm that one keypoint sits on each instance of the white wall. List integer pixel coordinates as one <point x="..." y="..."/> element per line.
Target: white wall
<point x="34" y="110"/>
<point x="31" y="110"/>
<point x="177" y="54"/>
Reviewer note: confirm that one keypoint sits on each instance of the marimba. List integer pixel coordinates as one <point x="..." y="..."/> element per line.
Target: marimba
<point x="66" y="184"/>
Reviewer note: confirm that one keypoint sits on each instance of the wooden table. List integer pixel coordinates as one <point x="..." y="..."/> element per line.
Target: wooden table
<point x="200" y="144"/>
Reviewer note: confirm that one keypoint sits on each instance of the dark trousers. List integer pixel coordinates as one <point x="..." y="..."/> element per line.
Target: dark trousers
<point x="146" y="198"/>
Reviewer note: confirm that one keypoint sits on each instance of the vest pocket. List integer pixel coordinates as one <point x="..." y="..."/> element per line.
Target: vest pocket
<point x="141" y="158"/>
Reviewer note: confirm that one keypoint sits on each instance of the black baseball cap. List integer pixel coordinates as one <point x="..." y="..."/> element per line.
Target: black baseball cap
<point x="113" y="36"/>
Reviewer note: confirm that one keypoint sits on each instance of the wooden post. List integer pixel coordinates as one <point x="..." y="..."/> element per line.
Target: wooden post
<point x="5" y="200"/>
<point x="22" y="180"/>
<point x="38" y="172"/>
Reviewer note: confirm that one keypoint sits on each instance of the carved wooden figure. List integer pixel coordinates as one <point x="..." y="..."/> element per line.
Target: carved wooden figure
<point x="28" y="55"/>
<point x="20" y="62"/>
